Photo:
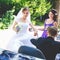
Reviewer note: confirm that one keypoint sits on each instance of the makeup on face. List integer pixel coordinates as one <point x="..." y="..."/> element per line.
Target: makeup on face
<point x="51" y="15"/>
<point x="25" y="13"/>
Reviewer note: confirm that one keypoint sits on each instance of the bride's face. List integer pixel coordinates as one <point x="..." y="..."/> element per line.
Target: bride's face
<point x="25" y="13"/>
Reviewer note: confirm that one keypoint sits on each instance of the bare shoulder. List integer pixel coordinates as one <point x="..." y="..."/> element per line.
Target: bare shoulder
<point x="46" y="20"/>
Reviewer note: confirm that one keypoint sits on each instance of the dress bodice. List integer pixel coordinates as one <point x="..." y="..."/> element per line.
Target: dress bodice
<point x="47" y="25"/>
<point x="23" y="27"/>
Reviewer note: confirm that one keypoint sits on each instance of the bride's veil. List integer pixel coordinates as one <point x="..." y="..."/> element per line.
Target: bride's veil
<point x="20" y="14"/>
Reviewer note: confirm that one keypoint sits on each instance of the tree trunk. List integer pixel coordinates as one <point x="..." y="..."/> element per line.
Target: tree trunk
<point x="57" y="6"/>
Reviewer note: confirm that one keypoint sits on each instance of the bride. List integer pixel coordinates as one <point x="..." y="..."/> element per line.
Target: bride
<point x="20" y="26"/>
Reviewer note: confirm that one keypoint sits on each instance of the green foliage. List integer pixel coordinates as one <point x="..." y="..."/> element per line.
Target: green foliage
<point x="37" y="8"/>
<point x="6" y="19"/>
<point x="40" y="23"/>
<point x="41" y="8"/>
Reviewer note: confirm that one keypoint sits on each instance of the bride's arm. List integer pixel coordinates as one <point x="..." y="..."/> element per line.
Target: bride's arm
<point x="14" y="26"/>
<point x="35" y="30"/>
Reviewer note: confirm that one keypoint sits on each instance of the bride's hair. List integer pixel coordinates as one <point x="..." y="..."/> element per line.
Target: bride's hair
<point x="24" y="9"/>
<point x="20" y="14"/>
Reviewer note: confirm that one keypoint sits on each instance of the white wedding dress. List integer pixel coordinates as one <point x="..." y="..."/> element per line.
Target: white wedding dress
<point x="20" y="38"/>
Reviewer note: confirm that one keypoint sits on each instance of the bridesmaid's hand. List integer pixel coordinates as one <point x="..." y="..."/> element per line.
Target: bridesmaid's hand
<point x="41" y="29"/>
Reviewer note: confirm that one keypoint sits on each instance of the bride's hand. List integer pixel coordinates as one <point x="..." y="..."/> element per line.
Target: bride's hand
<point x="17" y="28"/>
<point x="35" y="33"/>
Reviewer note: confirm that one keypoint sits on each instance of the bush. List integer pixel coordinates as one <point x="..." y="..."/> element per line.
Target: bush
<point x="37" y="8"/>
<point x="6" y="19"/>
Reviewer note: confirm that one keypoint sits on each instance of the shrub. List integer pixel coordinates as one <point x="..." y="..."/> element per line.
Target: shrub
<point x="6" y="19"/>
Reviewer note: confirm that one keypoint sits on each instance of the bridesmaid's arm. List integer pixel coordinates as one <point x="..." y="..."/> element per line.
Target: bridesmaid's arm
<point x="56" y="24"/>
<point x="42" y="29"/>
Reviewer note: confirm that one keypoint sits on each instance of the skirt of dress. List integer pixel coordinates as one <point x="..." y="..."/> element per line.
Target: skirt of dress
<point x="44" y="35"/>
<point x="19" y="40"/>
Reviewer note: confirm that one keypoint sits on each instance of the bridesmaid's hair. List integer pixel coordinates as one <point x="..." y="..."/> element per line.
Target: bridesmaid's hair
<point x="55" y="14"/>
<point x="25" y="8"/>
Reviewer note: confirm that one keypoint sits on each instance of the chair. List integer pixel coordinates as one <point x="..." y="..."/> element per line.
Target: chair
<point x="31" y="52"/>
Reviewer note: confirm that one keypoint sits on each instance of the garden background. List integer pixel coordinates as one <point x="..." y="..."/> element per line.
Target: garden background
<point x="38" y="8"/>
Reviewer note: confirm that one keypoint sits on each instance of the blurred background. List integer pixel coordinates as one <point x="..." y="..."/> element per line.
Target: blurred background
<point x="38" y="8"/>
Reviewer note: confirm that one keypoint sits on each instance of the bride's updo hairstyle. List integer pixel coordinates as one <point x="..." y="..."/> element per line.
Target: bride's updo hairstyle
<point x="25" y="9"/>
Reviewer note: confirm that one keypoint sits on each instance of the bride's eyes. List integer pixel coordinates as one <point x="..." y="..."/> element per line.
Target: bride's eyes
<point x="26" y="13"/>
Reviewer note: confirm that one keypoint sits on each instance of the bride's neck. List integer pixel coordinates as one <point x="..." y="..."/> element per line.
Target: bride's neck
<point x="24" y="18"/>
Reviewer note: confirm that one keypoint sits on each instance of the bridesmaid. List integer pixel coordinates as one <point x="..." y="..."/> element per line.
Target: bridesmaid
<point x="51" y="21"/>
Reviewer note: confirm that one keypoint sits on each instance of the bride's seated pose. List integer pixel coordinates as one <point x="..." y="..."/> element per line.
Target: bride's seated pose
<point x="20" y="26"/>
